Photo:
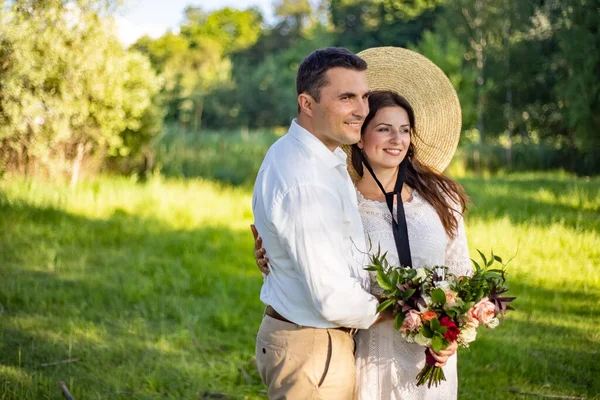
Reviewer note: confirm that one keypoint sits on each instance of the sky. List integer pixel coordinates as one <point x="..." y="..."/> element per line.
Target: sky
<point x="155" y="17"/>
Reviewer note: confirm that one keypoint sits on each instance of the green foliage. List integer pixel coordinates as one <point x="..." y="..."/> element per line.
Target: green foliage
<point x="360" y="24"/>
<point x="448" y="54"/>
<point x="234" y="30"/>
<point x="579" y="87"/>
<point x="520" y="157"/>
<point x="233" y="157"/>
<point x="195" y="63"/>
<point x="438" y="296"/>
<point x="525" y="73"/>
<point x="69" y="90"/>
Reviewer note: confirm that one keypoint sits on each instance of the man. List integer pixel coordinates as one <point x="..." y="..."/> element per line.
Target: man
<point x="305" y="209"/>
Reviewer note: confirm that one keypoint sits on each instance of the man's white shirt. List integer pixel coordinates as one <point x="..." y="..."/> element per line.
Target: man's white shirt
<point x="306" y="212"/>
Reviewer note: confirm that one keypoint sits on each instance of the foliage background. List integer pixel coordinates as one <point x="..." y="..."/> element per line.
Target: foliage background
<point x="74" y="100"/>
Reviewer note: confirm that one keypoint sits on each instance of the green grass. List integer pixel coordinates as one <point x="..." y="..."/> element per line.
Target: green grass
<point x="153" y="288"/>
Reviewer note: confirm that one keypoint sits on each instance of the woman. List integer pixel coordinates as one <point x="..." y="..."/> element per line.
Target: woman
<point x="399" y="153"/>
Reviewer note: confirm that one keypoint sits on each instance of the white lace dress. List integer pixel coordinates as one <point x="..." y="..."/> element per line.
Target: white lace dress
<point x="386" y="365"/>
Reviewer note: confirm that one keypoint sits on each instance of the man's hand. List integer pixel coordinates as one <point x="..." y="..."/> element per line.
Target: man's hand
<point x="385" y="315"/>
<point x="259" y="253"/>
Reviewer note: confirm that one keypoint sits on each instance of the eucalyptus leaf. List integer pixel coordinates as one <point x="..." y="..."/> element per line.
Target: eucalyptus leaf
<point x="492" y="275"/>
<point x="398" y="320"/>
<point x="386" y="304"/>
<point x="477" y="267"/>
<point x="482" y="257"/>
<point x="383" y="281"/>
<point x="438" y="296"/>
<point x="427" y="332"/>
<point x="395" y="278"/>
<point x="409" y="292"/>
<point x="437" y="343"/>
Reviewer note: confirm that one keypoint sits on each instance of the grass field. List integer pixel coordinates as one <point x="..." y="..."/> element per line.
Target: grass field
<point x="151" y="289"/>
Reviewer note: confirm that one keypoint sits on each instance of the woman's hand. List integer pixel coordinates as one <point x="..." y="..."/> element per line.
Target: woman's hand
<point x="443" y="355"/>
<point x="259" y="253"/>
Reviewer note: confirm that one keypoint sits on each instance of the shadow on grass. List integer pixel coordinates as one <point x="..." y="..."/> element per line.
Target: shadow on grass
<point x="548" y="346"/>
<point x="151" y="312"/>
<point x="502" y="198"/>
<point x="530" y="357"/>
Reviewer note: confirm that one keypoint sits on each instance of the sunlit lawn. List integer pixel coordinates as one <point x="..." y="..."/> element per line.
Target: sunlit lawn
<point x="151" y="291"/>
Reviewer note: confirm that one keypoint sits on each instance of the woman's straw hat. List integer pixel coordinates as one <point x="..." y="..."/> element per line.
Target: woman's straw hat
<point x="431" y="95"/>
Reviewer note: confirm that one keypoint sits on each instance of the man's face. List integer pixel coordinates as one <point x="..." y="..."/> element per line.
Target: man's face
<point x="343" y="106"/>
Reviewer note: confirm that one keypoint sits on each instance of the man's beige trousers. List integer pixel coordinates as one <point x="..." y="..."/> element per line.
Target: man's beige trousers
<point x="299" y="363"/>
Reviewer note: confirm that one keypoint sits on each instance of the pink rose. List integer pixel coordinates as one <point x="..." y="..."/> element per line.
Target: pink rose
<point x="412" y="322"/>
<point x="472" y="320"/>
<point x="484" y="311"/>
<point x="451" y="298"/>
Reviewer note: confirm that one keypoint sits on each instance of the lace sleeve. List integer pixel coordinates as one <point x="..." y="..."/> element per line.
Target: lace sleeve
<point x="457" y="251"/>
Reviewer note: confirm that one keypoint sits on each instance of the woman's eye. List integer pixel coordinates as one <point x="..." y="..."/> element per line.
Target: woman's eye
<point x="384" y="130"/>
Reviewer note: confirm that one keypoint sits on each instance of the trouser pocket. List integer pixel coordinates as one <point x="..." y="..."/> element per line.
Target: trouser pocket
<point x="327" y="360"/>
<point x="268" y="360"/>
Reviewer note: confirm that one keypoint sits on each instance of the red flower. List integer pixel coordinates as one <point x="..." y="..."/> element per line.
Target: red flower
<point x="452" y="331"/>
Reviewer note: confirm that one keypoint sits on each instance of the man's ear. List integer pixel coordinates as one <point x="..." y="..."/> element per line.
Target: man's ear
<point x="360" y="144"/>
<point x="306" y="103"/>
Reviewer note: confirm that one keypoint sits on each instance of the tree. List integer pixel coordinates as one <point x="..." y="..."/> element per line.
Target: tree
<point x="448" y="53"/>
<point x="234" y="30"/>
<point x="196" y="62"/>
<point x="361" y="24"/>
<point x="578" y="37"/>
<point x="297" y="14"/>
<point x="69" y="89"/>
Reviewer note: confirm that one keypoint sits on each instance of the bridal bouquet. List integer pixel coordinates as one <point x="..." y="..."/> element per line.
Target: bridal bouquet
<point x="435" y="308"/>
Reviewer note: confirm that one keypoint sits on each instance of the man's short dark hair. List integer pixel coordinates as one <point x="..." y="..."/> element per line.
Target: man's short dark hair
<point x="312" y="73"/>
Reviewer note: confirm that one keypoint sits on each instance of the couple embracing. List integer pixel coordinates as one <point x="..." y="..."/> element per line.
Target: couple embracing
<point x="361" y="163"/>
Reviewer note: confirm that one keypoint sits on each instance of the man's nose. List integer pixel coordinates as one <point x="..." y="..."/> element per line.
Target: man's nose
<point x="362" y="108"/>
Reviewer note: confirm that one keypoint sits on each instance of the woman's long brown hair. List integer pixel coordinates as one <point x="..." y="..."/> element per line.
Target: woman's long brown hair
<point x="434" y="187"/>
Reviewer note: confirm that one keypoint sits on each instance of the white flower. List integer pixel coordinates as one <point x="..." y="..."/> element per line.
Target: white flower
<point x="467" y="334"/>
<point x="421" y="274"/>
<point x="422" y="308"/>
<point x="410" y="338"/>
<point x="494" y="322"/>
<point x="422" y="340"/>
<point x="427" y="299"/>
<point x="444" y="285"/>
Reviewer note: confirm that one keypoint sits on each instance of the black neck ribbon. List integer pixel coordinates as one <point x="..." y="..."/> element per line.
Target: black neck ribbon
<point x="399" y="224"/>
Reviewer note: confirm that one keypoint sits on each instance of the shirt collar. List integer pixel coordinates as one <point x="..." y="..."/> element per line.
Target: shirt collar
<point x="331" y="159"/>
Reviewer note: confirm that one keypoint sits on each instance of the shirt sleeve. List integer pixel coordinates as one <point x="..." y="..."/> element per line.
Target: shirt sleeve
<point x="310" y="221"/>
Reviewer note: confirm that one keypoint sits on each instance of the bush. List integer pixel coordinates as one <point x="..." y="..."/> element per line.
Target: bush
<point x="233" y="157"/>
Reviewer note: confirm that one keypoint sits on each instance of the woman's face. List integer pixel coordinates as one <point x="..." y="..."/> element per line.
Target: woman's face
<point x="386" y="138"/>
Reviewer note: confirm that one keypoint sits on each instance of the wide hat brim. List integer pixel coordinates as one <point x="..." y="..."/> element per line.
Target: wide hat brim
<point x="434" y="100"/>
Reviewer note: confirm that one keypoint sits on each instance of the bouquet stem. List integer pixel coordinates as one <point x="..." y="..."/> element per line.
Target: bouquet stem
<point x="430" y="374"/>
